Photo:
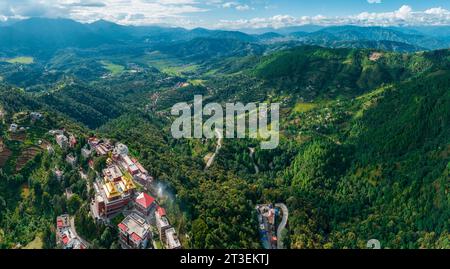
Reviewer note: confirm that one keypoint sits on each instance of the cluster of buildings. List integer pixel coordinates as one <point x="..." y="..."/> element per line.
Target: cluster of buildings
<point x="14" y="128"/>
<point x="135" y="229"/>
<point x="115" y="189"/>
<point x="65" y="236"/>
<point x="116" y="192"/>
<point x="64" y="141"/>
<point x="267" y="227"/>
<point x="33" y="116"/>
<point x="99" y="146"/>
<point x="113" y="192"/>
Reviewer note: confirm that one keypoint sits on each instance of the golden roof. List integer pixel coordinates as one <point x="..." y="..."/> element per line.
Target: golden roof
<point x="129" y="184"/>
<point x="111" y="190"/>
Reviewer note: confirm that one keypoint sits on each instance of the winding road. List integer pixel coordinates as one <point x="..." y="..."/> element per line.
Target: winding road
<point x="252" y="154"/>
<point x="282" y="225"/>
<point x="74" y="231"/>
<point x="218" y="147"/>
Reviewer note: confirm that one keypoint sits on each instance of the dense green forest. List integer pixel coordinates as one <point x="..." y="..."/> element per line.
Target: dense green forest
<point x="364" y="150"/>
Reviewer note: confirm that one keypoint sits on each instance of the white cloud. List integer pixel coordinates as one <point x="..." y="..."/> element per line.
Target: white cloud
<point x="437" y="11"/>
<point x="237" y="6"/>
<point x="374" y="1"/>
<point x="243" y="7"/>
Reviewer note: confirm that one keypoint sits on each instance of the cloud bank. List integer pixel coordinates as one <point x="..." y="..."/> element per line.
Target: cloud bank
<point x="137" y="12"/>
<point x="405" y="15"/>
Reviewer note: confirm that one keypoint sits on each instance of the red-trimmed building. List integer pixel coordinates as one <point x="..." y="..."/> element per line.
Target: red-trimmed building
<point x="162" y="223"/>
<point x="65" y="237"/>
<point x="144" y="203"/>
<point x="134" y="232"/>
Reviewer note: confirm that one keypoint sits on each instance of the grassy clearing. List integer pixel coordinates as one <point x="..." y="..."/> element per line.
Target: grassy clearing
<point x="159" y="60"/>
<point x="25" y="192"/>
<point x="37" y="243"/>
<point x="304" y="107"/>
<point x="197" y="82"/>
<point x="179" y="70"/>
<point x="114" y="69"/>
<point x="19" y="60"/>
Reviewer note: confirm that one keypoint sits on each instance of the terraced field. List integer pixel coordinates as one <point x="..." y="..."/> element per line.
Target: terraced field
<point x="18" y="136"/>
<point x="26" y="155"/>
<point x="5" y="153"/>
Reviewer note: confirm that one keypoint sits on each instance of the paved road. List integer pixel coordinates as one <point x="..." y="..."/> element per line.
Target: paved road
<point x="74" y="230"/>
<point x="282" y="224"/>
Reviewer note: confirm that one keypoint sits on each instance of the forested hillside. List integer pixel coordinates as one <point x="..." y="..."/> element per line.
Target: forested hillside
<point x="364" y="150"/>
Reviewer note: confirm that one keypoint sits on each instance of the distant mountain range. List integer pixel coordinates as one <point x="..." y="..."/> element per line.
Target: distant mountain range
<point x="41" y="37"/>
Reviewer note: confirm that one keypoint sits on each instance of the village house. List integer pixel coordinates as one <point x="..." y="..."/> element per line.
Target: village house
<point x="13" y="128"/>
<point x="58" y="174"/>
<point x="162" y="223"/>
<point x="93" y="142"/>
<point x="86" y="153"/>
<point x="134" y="232"/>
<point x="144" y="203"/>
<point x="120" y="149"/>
<point x="112" y="173"/>
<point x="72" y="141"/>
<point x="172" y="240"/>
<point x="103" y="148"/>
<point x="65" y="237"/>
<point x="35" y="116"/>
<point x="50" y="150"/>
<point x="72" y="160"/>
<point x="56" y="132"/>
<point x="62" y="222"/>
<point x="62" y="141"/>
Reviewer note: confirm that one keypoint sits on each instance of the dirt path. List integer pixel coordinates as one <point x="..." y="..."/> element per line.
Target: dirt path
<point x="218" y="147"/>
<point x="252" y="155"/>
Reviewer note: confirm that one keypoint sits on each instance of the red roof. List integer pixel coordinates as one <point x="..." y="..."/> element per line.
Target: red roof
<point x="65" y="239"/>
<point x="145" y="200"/>
<point x="123" y="227"/>
<point x="59" y="223"/>
<point x="136" y="237"/>
<point x="161" y="211"/>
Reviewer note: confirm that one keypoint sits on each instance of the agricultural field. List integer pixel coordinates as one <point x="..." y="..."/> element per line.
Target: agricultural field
<point x="304" y="107"/>
<point x="180" y="70"/>
<point x="25" y="156"/>
<point x="19" y="60"/>
<point x="114" y="69"/>
<point x="5" y="153"/>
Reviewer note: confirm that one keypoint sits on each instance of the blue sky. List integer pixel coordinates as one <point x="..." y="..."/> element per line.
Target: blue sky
<point x="236" y="14"/>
